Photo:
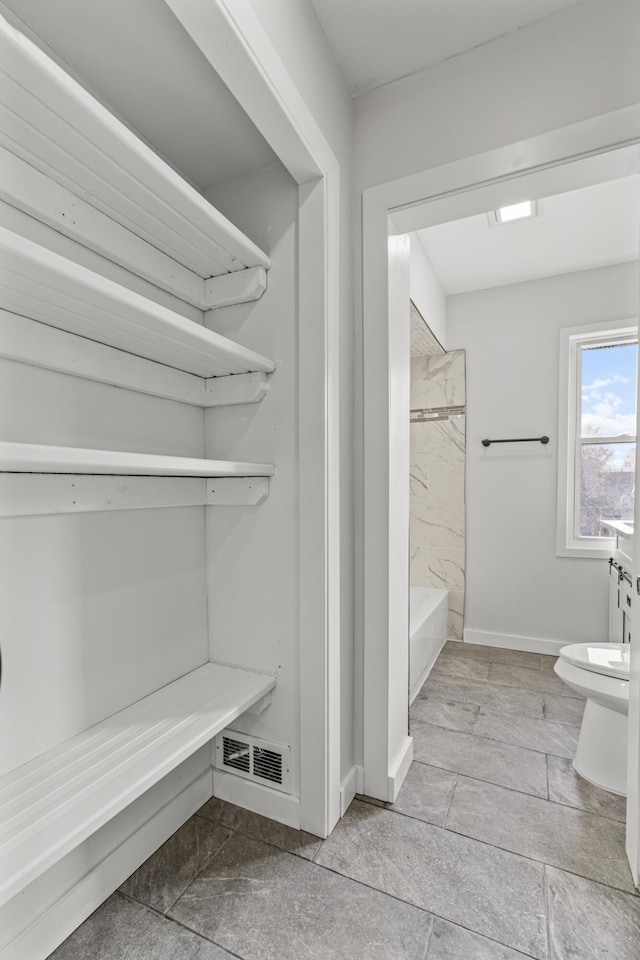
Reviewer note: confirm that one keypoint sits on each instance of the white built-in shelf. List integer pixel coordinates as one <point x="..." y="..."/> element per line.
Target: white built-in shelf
<point x="54" y="125"/>
<point x="53" y="803"/>
<point x="39" y="284"/>
<point x="42" y="458"/>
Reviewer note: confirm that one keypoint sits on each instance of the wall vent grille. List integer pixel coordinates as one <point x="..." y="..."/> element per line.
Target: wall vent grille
<point x="254" y="759"/>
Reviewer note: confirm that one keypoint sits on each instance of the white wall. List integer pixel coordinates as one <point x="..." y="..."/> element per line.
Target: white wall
<point x="515" y="583"/>
<point x="99" y="609"/>
<point x="252" y="552"/>
<point x="565" y="68"/>
<point x="426" y="292"/>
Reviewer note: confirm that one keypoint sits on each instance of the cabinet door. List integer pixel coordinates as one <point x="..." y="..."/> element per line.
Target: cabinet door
<point x="615" y="607"/>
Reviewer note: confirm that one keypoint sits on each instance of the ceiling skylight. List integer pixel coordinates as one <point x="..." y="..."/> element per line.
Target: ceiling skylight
<point x="516" y="211"/>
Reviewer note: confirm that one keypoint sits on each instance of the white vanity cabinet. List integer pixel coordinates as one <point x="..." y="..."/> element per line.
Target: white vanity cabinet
<point x="621" y="583"/>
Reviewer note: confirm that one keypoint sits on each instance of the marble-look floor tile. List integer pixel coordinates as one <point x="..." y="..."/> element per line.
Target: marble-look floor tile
<point x="563" y="709"/>
<point x="121" y="930"/>
<point x="445" y="713"/>
<point x="547" y="662"/>
<point x="573" y="840"/>
<point x="472" y="669"/>
<point x="521" y="658"/>
<point x="484" y="889"/>
<point x="526" y="679"/>
<point x="588" y="921"/>
<point x="262" y="903"/>
<point x="253" y="825"/>
<point x="169" y="871"/>
<point x="490" y="760"/>
<point x="426" y="794"/>
<point x="499" y="697"/>
<point x="545" y="736"/>
<point x="451" y="942"/>
<point x="568" y="787"/>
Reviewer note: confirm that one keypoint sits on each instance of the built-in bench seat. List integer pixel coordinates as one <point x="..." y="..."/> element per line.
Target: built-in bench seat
<point x="56" y="801"/>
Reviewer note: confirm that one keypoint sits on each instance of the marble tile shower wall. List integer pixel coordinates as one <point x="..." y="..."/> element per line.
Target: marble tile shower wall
<point x="437" y="521"/>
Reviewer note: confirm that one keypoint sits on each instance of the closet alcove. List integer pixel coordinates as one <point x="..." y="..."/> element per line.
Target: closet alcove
<point x="111" y="269"/>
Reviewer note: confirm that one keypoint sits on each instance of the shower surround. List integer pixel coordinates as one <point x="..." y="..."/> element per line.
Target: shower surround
<point x="437" y="507"/>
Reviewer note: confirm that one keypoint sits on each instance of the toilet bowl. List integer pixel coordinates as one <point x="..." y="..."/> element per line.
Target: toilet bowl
<point x="600" y="672"/>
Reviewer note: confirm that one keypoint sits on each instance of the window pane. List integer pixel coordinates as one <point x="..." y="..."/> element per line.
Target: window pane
<point x="609" y="390"/>
<point x="607" y="478"/>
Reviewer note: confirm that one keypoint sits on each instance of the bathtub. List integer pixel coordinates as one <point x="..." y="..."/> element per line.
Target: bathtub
<point x="428" y="616"/>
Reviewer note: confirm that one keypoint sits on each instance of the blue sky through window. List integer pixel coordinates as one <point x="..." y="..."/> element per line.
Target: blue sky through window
<point x="609" y="390"/>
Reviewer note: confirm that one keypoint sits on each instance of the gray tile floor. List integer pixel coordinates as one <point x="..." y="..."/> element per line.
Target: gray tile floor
<point x="494" y="850"/>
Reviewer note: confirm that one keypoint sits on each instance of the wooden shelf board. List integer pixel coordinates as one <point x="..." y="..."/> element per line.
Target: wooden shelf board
<point x="53" y="803"/>
<point x="41" y="458"/>
<point x="42" y="285"/>
<point x="50" y="121"/>
<point x="37" y="344"/>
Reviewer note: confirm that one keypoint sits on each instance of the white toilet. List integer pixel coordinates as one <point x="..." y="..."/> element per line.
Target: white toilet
<point x="600" y="672"/>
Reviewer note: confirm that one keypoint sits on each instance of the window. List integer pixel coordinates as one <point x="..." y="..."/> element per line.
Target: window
<point x="597" y="436"/>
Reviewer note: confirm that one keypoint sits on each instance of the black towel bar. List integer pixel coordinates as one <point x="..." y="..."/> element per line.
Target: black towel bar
<point x="487" y="443"/>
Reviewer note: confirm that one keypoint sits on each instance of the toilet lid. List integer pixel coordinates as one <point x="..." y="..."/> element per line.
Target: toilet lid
<point x="610" y="659"/>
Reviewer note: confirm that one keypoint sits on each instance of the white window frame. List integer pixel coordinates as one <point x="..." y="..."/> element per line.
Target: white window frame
<point x="569" y="409"/>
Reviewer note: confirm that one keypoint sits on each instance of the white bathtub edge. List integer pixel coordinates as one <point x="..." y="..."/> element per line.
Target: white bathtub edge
<point x="426" y="670"/>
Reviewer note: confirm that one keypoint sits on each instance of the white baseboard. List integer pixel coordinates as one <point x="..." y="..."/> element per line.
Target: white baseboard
<point x="348" y="789"/>
<point x="513" y="642"/>
<point x="253" y="796"/>
<point x="45" y="932"/>
<point x="400" y="769"/>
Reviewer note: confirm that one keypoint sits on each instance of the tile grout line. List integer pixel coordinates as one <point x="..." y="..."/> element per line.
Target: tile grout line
<point x="250" y="836"/>
<point x="542" y="863"/>
<point x="178" y="923"/>
<point x="415" y="906"/>
<point x="438" y="675"/>
<point x="495" y="846"/>
<point x="163" y="913"/>
<point x="502" y="683"/>
<point x="536" y="796"/>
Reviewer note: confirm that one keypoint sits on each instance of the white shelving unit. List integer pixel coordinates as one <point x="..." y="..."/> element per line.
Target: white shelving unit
<point x="39" y="479"/>
<point x="39" y="284"/>
<point x="68" y="162"/>
<point x="73" y="166"/>
<point x="42" y="458"/>
<point x="53" y="124"/>
<point x="53" y="803"/>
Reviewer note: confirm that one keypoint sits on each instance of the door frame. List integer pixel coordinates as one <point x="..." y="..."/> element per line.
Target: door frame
<point x="231" y="37"/>
<point x="576" y="155"/>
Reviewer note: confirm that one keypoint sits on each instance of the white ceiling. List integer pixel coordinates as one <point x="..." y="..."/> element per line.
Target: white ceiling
<point x="376" y="41"/>
<point x="140" y="61"/>
<point x="592" y="227"/>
